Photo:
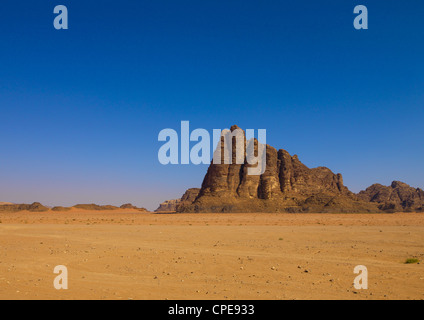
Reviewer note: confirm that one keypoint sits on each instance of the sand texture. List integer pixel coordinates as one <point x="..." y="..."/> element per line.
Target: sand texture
<point x="125" y="254"/>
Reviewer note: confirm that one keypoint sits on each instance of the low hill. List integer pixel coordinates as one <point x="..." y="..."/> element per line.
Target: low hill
<point x="34" y="207"/>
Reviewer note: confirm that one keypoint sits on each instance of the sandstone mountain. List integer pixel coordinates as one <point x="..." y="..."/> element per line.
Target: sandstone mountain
<point x="93" y="206"/>
<point x="287" y="185"/>
<point x="130" y="206"/>
<point x="61" y="209"/>
<point x="397" y="197"/>
<point x="34" y="207"/>
<point x="107" y="207"/>
<point x="174" y="205"/>
<point x="168" y="206"/>
<point x="38" y="207"/>
<point x="187" y="199"/>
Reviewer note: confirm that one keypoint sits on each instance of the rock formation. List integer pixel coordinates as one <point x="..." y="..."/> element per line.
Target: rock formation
<point x="287" y="185"/>
<point x="34" y="207"/>
<point x="174" y="205"/>
<point x="168" y="206"/>
<point x="61" y="209"/>
<point x="190" y="195"/>
<point x="93" y="206"/>
<point x="397" y="197"/>
<point x="130" y="206"/>
<point x="187" y="199"/>
<point x="38" y="207"/>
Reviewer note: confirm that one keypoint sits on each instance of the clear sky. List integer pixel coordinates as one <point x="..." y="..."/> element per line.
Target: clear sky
<point x="81" y="108"/>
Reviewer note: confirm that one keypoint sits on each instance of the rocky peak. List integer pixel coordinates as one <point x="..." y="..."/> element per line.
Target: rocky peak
<point x="168" y="206"/>
<point x="286" y="185"/>
<point x="234" y="127"/>
<point x="399" y="196"/>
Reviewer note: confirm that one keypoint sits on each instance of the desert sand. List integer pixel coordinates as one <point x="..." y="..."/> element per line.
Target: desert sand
<point x="125" y="254"/>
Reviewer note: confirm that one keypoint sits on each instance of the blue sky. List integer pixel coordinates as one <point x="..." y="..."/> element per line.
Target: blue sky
<point x="81" y="108"/>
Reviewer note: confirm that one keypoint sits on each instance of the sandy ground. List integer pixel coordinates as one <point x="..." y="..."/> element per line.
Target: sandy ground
<point x="129" y="255"/>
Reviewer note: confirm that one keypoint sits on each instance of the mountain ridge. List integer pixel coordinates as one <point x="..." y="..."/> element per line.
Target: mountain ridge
<point x="287" y="185"/>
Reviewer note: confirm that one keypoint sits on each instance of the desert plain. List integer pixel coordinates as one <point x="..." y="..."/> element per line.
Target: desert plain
<point x="125" y="254"/>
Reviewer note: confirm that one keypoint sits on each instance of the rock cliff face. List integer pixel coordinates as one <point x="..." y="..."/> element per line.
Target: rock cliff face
<point x="177" y="205"/>
<point x="168" y="206"/>
<point x="397" y="197"/>
<point x="190" y="195"/>
<point x="187" y="199"/>
<point x="287" y="185"/>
